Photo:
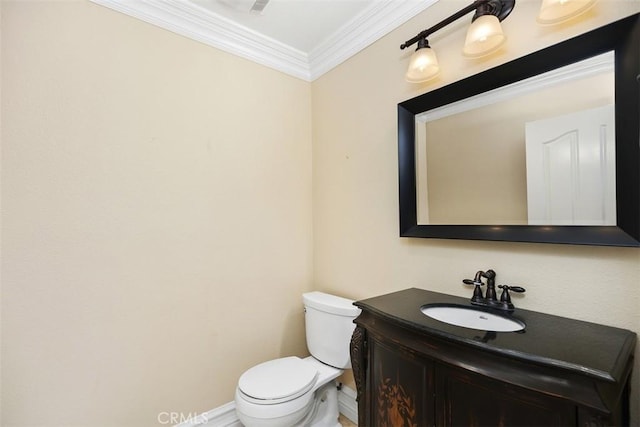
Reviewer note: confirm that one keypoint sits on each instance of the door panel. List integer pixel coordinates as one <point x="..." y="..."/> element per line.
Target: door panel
<point x="402" y="388"/>
<point x="472" y="400"/>
<point x="571" y="169"/>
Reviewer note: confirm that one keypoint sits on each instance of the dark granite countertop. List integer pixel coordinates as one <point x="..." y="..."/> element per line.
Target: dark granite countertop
<point x="588" y="348"/>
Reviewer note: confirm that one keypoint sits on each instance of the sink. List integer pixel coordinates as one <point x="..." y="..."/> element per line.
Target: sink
<point x="472" y="318"/>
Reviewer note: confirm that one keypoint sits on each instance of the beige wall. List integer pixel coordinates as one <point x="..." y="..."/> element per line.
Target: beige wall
<point x="156" y="218"/>
<point x="357" y="251"/>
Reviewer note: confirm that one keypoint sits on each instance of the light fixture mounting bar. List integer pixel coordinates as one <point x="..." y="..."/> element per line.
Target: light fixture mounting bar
<point x="499" y="8"/>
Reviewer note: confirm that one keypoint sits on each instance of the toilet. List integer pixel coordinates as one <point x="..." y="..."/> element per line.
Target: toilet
<point x="292" y="391"/>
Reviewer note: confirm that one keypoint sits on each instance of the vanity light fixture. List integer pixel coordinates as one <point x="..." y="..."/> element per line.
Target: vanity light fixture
<point x="557" y="11"/>
<point x="483" y="37"/>
<point x="423" y="64"/>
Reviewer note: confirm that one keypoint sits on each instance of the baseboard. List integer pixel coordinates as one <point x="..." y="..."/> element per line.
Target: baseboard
<point x="222" y="416"/>
<point x="225" y="415"/>
<point x="347" y="404"/>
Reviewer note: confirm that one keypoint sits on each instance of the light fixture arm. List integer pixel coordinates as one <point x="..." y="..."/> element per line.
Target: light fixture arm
<point x="499" y="8"/>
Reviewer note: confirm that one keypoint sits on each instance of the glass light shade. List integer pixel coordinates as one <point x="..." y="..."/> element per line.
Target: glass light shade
<point x="556" y="11"/>
<point x="483" y="36"/>
<point x="423" y="65"/>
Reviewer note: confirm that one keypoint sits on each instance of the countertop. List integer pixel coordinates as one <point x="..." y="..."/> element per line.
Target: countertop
<point x="590" y="349"/>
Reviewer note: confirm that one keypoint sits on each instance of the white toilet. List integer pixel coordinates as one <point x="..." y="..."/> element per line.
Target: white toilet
<point x="292" y="391"/>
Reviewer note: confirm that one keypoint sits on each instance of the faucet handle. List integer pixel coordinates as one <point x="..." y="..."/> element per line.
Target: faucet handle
<point x="505" y="291"/>
<point x="518" y="289"/>
<point x="477" y="291"/>
<point x="505" y="298"/>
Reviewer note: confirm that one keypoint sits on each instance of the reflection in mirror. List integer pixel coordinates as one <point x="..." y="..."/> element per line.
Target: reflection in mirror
<point x="540" y="151"/>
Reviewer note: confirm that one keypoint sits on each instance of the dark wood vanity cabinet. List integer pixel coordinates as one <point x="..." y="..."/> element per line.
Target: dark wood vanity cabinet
<point x="402" y="387"/>
<point x="468" y="399"/>
<point x="411" y="372"/>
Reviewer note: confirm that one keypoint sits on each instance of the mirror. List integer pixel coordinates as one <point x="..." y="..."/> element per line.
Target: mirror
<point x="546" y="154"/>
<point x="500" y="155"/>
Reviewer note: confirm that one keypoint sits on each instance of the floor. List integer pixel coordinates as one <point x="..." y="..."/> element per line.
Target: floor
<point x="346" y="422"/>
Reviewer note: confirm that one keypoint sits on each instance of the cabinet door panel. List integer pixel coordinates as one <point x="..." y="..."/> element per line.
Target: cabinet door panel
<point x="402" y="388"/>
<point x="468" y="399"/>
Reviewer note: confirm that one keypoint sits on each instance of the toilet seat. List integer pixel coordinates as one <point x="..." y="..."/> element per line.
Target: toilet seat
<point x="278" y="381"/>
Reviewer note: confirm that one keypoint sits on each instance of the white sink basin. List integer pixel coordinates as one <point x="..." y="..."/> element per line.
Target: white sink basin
<point x="472" y="318"/>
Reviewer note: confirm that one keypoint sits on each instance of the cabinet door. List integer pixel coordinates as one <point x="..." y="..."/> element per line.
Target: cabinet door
<point x="464" y="398"/>
<point x="401" y="387"/>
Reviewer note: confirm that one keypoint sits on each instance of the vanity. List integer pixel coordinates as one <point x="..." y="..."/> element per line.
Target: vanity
<point x="413" y="370"/>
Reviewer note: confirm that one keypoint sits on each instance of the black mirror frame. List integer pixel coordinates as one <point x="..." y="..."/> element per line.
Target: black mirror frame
<point x="623" y="37"/>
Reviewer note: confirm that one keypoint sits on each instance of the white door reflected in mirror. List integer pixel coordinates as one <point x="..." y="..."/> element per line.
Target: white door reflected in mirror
<point x="571" y="169"/>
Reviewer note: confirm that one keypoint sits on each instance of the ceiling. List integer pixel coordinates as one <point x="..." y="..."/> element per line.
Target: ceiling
<point x="303" y="38"/>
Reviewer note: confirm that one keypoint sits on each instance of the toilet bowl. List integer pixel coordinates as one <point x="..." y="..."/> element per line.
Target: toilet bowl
<point x="291" y="391"/>
<point x="281" y="392"/>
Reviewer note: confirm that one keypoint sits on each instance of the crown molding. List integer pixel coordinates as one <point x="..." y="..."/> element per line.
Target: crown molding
<point x="376" y="21"/>
<point x="199" y="24"/>
<point x="192" y="21"/>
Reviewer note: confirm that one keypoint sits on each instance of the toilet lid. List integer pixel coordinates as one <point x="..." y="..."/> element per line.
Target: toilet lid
<point x="277" y="379"/>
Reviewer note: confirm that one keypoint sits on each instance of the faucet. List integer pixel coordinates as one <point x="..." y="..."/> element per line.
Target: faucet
<point x="489" y="299"/>
<point x="490" y="296"/>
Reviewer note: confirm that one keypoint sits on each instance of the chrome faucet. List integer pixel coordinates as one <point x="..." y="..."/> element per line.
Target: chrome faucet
<point x="489" y="299"/>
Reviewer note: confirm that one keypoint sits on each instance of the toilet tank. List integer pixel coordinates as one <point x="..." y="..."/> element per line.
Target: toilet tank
<point x="329" y="324"/>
